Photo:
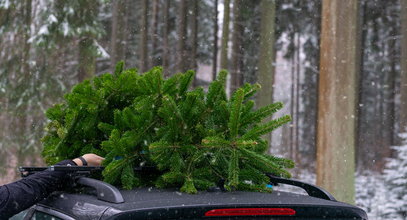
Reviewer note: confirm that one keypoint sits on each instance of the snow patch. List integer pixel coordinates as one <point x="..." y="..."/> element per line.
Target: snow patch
<point x="52" y="19"/>
<point x="43" y="30"/>
<point x="101" y="51"/>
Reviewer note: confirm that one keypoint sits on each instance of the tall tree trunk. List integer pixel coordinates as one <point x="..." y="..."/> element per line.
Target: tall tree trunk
<point x="215" y="42"/>
<point x="26" y="110"/>
<point x="388" y="115"/>
<point x="182" y="36"/>
<point x="118" y="35"/>
<point x="392" y="88"/>
<point x="26" y="36"/>
<point x="30" y="112"/>
<point x="237" y="48"/>
<point x="361" y="136"/>
<point x="194" y="39"/>
<point x="297" y="99"/>
<point x="388" y="95"/>
<point x="266" y="56"/>
<point x="87" y="59"/>
<point x="310" y="94"/>
<point x="338" y="85"/>
<point x="143" y="39"/>
<point x="285" y="141"/>
<point x="87" y="54"/>
<point x="225" y="36"/>
<point x="154" y="60"/>
<point x="403" y="67"/>
<point x="194" y="35"/>
<point x="166" y="12"/>
<point x="292" y="107"/>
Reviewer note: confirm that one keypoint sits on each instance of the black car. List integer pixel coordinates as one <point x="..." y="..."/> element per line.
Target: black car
<point x="99" y="200"/>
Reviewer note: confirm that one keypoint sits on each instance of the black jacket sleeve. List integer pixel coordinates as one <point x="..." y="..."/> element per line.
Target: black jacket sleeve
<point x="22" y="194"/>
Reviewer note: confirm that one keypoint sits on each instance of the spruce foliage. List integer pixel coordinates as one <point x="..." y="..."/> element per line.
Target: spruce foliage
<point x="196" y="139"/>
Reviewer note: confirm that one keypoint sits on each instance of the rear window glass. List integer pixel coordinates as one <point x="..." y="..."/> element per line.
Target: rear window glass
<point x="44" y="216"/>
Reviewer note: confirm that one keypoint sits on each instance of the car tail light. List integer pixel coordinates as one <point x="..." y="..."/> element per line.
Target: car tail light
<point x="250" y="211"/>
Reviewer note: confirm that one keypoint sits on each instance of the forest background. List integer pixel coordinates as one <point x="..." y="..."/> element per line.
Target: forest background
<point x="47" y="46"/>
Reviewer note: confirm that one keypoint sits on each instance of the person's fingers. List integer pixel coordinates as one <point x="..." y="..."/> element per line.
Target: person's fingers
<point x="93" y="159"/>
<point x="99" y="160"/>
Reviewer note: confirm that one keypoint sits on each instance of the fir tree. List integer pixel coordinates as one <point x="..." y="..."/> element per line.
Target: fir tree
<point x="196" y="139"/>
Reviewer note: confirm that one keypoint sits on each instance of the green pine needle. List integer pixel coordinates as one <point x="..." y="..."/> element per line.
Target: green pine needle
<point x="234" y="119"/>
<point x="195" y="138"/>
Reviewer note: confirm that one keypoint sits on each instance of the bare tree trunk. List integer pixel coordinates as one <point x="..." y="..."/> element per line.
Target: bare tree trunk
<point x="215" y="42"/>
<point x="237" y="48"/>
<point x="166" y="12"/>
<point x="182" y="36"/>
<point x="392" y="89"/>
<point x="297" y="100"/>
<point x="403" y="67"/>
<point x="87" y="55"/>
<point x="87" y="60"/>
<point x="388" y="113"/>
<point x="387" y="94"/>
<point x="338" y="89"/>
<point x="194" y="39"/>
<point x="154" y="60"/>
<point x="194" y="34"/>
<point x="292" y="108"/>
<point x="26" y="111"/>
<point x="266" y="56"/>
<point x="143" y="39"/>
<point x="118" y="35"/>
<point x="30" y="112"/>
<point x="360" y="151"/>
<point x="225" y="36"/>
<point x="285" y="141"/>
<point x="27" y="33"/>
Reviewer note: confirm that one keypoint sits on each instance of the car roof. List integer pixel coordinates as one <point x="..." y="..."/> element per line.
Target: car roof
<point x="152" y="199"/>
<point x="94" y="199"/>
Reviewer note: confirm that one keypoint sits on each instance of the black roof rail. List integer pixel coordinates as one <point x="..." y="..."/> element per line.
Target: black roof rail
<point x="109" y="193"/>
<point x="104" y="191"/>
<point x="312" y="190"/>
<point x="75" y="170"/>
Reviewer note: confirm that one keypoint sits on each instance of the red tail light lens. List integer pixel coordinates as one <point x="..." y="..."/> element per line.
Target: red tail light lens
<point x="250" y="211"/>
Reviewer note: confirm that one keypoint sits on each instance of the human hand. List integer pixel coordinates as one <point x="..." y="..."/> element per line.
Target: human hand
<point x="91" y="159"/>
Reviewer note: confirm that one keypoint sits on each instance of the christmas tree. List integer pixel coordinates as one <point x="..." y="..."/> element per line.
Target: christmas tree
<point x="196" y="139"/>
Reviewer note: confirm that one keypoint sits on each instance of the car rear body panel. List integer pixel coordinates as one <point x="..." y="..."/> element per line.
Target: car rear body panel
<point x="150" y="203"/>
